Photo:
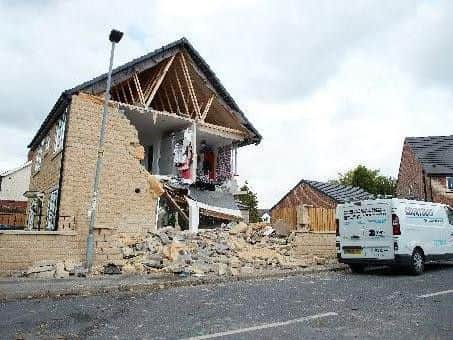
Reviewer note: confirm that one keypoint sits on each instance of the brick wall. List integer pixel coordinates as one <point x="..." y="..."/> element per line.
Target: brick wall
<point x="410" y="176"/>
<point x="319" y="244"/>
<point x="438" y="190"/>
<point x="19" y="251"/>
<point x="47" y="178"/>
<point x="13" y="206"/>
<point x="126" y="205"/>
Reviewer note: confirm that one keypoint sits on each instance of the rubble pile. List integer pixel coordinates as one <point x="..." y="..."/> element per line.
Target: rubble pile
<point x="230" y="250"/>
<point x="49" y="269"/>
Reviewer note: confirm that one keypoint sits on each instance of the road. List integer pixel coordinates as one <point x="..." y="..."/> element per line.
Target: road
<point x="376" y="304"/>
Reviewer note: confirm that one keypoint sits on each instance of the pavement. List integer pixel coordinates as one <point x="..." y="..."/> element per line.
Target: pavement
<point x="327" y="305"/>
<point x="25" y="288"/>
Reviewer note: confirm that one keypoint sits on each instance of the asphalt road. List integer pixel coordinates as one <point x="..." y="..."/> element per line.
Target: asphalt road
<point x="377" y="304"/>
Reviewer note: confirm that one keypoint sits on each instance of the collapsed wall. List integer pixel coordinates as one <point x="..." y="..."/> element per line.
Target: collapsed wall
<point x="127" y="202"/>
<point x="127" y="199"/>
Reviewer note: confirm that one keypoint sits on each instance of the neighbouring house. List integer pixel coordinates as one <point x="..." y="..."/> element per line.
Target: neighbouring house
<point x="309" y="208"/>
<point x="169" y="158"/>
<point x="426" y="169"/>
<point x="264" y="215"/>
<point x="13" y="184"/>
<point x="311" y="204"/>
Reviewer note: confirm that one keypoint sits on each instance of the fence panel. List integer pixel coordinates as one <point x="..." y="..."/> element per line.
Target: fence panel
<point x="321" y="219"/>
<point x="13" y="219"/>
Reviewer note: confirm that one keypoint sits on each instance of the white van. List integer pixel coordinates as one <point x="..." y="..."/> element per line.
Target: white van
<point x="396" y="232"/>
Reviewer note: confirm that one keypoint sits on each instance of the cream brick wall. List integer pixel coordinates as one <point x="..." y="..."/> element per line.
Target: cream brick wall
<point x="126" y="205"/>
<point x="320" y="244"/>
<point x="48" y="176"/>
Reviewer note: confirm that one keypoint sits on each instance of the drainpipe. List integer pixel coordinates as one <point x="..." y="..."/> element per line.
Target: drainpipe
<point x="115" y="37"/>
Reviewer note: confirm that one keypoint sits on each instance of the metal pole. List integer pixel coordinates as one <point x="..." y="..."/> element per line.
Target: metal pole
<point x="97" y="175"/>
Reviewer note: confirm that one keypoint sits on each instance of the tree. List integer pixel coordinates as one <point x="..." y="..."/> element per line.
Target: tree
<point x="250" y="200"/>
<point x="369" y="180"/>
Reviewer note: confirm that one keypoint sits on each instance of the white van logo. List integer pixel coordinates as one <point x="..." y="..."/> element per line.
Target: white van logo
<point x="419" y="212"/>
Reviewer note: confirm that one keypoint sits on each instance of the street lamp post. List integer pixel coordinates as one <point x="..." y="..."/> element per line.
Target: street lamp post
<point x="114" y="37"/>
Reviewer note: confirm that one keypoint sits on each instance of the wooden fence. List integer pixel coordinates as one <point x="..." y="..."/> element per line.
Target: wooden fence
<point x="316" y="219"/>
<point x="321" y="219"/>
<point x="17" y="219"/>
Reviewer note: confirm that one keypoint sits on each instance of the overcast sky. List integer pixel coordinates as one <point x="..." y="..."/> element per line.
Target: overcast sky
<point x="329" y="84"/>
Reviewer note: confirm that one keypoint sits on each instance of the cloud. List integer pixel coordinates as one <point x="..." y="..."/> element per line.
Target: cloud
<point x="329" y="84"/>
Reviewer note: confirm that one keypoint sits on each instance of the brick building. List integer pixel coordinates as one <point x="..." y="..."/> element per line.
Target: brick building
<point x="426" y="169"/>
<point x="172" y="127"/>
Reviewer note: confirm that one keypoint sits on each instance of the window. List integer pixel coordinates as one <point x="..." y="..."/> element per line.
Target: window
<point x="52" y="210"/>
<point x="32" y="213"/>
<point x="450" y="183"/>
<point x="45" y="144"/>
<point x="38" y="159"/>
<point x="59" y="133"/>
<point x="450" y="215"/>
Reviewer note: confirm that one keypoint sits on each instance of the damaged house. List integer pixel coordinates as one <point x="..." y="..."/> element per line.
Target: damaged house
<point x="169" y="158"/>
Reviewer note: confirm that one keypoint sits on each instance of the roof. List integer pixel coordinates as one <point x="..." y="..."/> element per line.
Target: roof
<point x="123" y="72"/>
<point x="435" y="153"/>
<point x="261" y="212"/>
<point x="11" y="171"/>
<point x="337" y="192"/>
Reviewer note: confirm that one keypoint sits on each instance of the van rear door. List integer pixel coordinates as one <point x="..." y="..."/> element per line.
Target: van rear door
<point x="366" y="230"/>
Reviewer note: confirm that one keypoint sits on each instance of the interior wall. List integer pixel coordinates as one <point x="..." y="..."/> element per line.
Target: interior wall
<point x="151" y="139"/>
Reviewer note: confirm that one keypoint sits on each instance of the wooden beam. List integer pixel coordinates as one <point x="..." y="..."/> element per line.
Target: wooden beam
<point x="161" y="102"/>
<point x="153" y="93"/>
<point x="139" y="89"/>
<point x="222" y="131"/>
<point x="168" y="99"/>
<point x="176" y="205"/>
<point x="124" y="93"/>
<point x="192" y="94"/>
<point x="174" y="97"/>
<point x="152" y="81"/>
<point x="182" y="94"/>
<point x="207" y="107"/>
<point x="130" y="91"/>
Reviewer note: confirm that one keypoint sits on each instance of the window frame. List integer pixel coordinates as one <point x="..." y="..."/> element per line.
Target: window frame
<point x="38" y="159"/>
<point x="447" y="179"/>
<point x="31" y="214"/>
<point x="450" y="216"/>
<point x="60" y="129"/>
<point x="52" y="203"/>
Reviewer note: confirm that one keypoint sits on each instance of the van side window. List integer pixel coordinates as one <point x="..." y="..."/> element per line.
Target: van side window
<point x="450" y="215"/>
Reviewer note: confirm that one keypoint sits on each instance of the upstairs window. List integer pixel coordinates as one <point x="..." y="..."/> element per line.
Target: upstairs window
<point x="59" y="133"/>
<point x="450" y="183"/>
<point x="38" y="159"/>
<point x="52" y="210"/>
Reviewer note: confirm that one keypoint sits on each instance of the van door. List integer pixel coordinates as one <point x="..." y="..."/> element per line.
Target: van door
<point x="367" y="230"/>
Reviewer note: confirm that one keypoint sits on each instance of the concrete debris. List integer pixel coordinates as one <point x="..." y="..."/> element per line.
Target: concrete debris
<point x="49" y="269"/>
<point x="111" y="269"/>
<point x="282" y="228"/>
<point x="230" y="250"/>
<point x="233" y="249"/>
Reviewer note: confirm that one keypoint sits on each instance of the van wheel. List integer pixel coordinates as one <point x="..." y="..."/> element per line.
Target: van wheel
<point x="417" y="265"/>
<point x="357" y="268"/>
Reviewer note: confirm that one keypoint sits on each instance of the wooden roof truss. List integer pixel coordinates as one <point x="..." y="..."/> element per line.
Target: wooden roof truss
<point x="176" y="86"/>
